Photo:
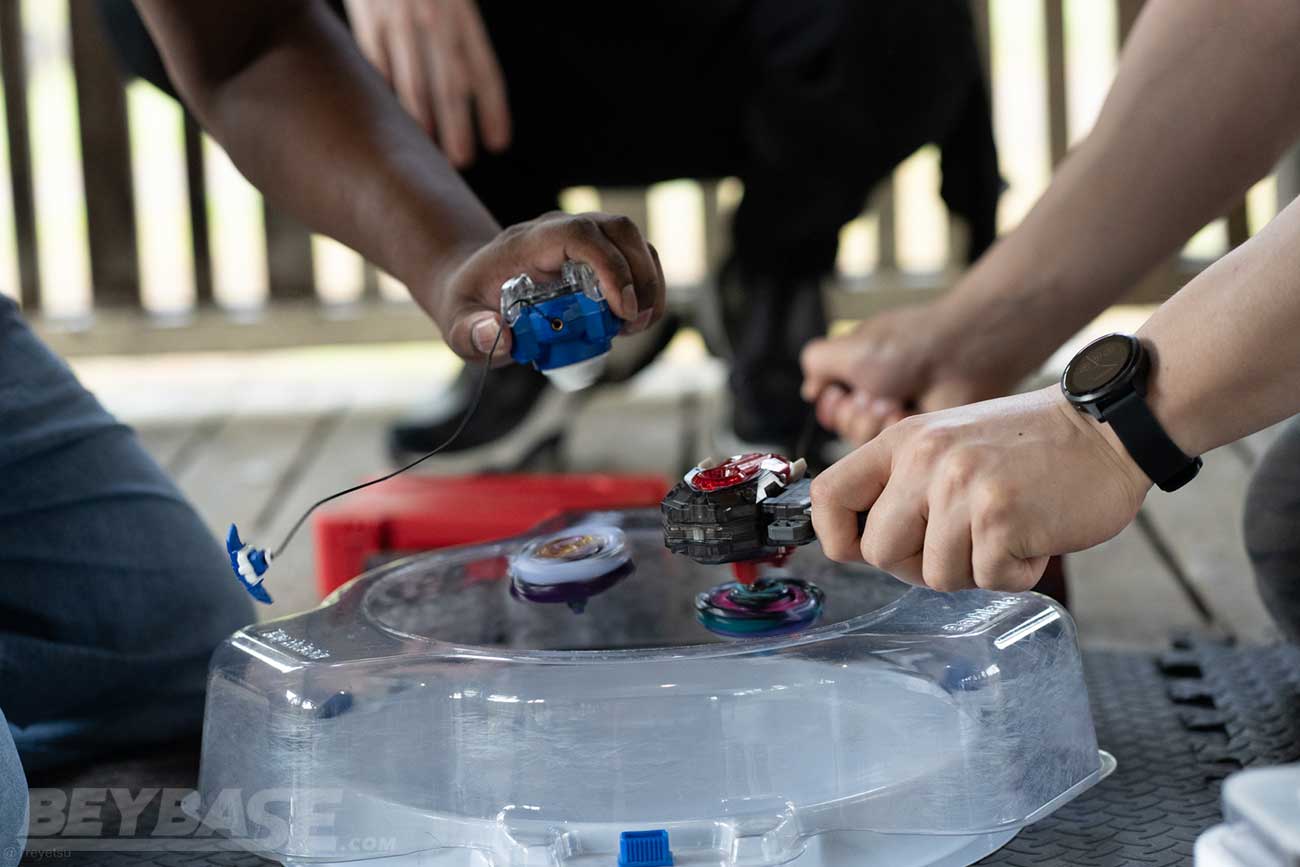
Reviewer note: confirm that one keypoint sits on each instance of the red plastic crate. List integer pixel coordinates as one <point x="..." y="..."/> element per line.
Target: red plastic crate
<point x="419" y="513"/>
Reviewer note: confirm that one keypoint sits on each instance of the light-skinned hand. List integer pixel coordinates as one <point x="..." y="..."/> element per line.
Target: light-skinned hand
<point x="979" y="495"/>
<point x="895" y="364"/>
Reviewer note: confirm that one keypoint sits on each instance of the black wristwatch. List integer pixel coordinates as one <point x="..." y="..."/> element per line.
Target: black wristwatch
<point x="1108" y="381"/>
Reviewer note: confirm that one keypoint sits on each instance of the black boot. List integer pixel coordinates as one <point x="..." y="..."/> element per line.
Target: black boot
<point x="767" y="321"/>
<point x="517" y="405"/>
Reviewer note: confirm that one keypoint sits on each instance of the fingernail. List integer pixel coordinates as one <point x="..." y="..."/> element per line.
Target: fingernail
<point x="638" y="324"/>
<point x="862" y="400"/>
<point x="484" y="334"/>
<point x="630" y="307"/>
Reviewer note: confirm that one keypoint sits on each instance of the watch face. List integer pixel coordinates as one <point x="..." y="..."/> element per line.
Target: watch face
<point x="1098" y="364"/>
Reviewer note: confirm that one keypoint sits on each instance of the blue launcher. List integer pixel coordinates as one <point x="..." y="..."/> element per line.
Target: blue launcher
<point x="563" y="328"/>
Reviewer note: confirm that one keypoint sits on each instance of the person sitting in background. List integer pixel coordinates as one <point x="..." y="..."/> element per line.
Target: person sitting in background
<point x="979" y="494"/>
<point x="810" y="104"/>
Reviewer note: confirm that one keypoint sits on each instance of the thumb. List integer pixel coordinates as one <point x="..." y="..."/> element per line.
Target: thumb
<point x="477" y="332"/>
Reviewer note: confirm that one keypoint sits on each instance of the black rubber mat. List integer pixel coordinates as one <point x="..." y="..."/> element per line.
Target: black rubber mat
<point x="1177" y="723"/>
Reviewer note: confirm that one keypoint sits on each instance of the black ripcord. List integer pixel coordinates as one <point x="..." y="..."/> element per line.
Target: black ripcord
<point x="464" y="420"/>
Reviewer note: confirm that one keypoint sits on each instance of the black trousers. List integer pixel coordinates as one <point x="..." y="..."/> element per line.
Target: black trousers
<point x="809" y="103"/>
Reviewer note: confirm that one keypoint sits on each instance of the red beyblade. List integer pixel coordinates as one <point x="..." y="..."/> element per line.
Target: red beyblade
<point x="749" y="507"/>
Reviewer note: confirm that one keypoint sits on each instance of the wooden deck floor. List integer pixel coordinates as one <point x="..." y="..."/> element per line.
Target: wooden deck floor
<point x="1180" y="567"/>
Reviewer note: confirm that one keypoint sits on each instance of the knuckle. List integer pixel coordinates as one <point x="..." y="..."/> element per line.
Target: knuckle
<point x="836" y="546"/>
<point x="994" y="509"/>
<point x="867" y="548"/>
<point x="838" y="549"/>
<point x="1025" y="579"/>
<point x="822" y="489"/>
<point x="877" y="551"/>
<point x="585" y="227"/>
<point x="516" y="232"/>
<point x="959" y="470"/>
<point x="1009" y="576"/>
<point x="943" y="580"/>
<point x="808" y="355"/>
<point x="928" y="443"/>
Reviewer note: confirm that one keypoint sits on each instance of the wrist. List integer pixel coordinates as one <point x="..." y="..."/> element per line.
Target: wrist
<point x="1105" y="438"/>
<point x="430" y="284"/>
<point x="995" y="331"/>
<point x="1173" y="401"/>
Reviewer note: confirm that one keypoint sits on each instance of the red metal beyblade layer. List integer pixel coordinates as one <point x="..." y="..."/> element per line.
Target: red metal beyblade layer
<point x="737" y="470"/>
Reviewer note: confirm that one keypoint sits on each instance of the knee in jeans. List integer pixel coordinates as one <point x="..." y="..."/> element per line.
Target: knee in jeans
<point x="13" y="800"/>
<point x="1272" y="530"/>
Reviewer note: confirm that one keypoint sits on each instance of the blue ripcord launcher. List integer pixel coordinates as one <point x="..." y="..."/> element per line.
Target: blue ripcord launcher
<point x="563" y="328"/>
<point x="249" y="565"/>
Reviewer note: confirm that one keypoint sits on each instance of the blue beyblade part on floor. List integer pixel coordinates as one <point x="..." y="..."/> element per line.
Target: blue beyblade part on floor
<point x="249" y="565"/>
<point x="644" y="849"/>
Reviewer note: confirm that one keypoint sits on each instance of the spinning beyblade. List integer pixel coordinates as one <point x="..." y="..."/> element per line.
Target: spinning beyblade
<point x="769" y="606"/>
<point x="752" y="511"/>
<point x="571" y="566"/>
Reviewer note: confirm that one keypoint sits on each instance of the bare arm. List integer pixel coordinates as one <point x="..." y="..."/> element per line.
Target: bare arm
<point x="1206" y="98"/>
<point x="308" y="120"/>
<point x="981" y="495"/>
<point x="1227" y="357"/>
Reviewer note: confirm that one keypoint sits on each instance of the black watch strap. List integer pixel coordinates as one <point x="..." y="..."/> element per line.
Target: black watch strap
<point x="1151" y="448"/>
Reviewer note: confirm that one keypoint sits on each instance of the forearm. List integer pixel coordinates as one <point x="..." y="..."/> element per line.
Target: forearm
<point x="310" y="123"/>
<point x="1206" y="98"/>
<point x="1226" y="356"/>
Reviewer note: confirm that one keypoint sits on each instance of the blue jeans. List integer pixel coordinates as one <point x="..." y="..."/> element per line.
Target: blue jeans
<point x="113" y="593"/>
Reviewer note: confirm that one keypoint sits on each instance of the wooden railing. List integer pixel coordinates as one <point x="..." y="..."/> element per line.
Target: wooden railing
<point x="294" y="312"/>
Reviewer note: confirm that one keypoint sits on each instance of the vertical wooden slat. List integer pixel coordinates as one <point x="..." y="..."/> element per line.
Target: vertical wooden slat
<point x="370" y="282"/>
<point x="1238" y="225"/>
<point x="716" y="244"/>
<point x="1127" y="14"/>
<point x="958" y="231"/>
<point x="288" y="257"/>
<point x="979" y="10"/>
<point x="886" y="230"/>
<point x="197" y="188"/>
<point x="628" y="202"/>
<point x="1057" y="107"/>
<point x="105" y="161"/>
<point x="13" y="67"/>
<point x="1288" y="177"/>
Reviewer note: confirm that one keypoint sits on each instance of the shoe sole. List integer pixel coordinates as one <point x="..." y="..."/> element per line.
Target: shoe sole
<point x="548" y="419"/>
